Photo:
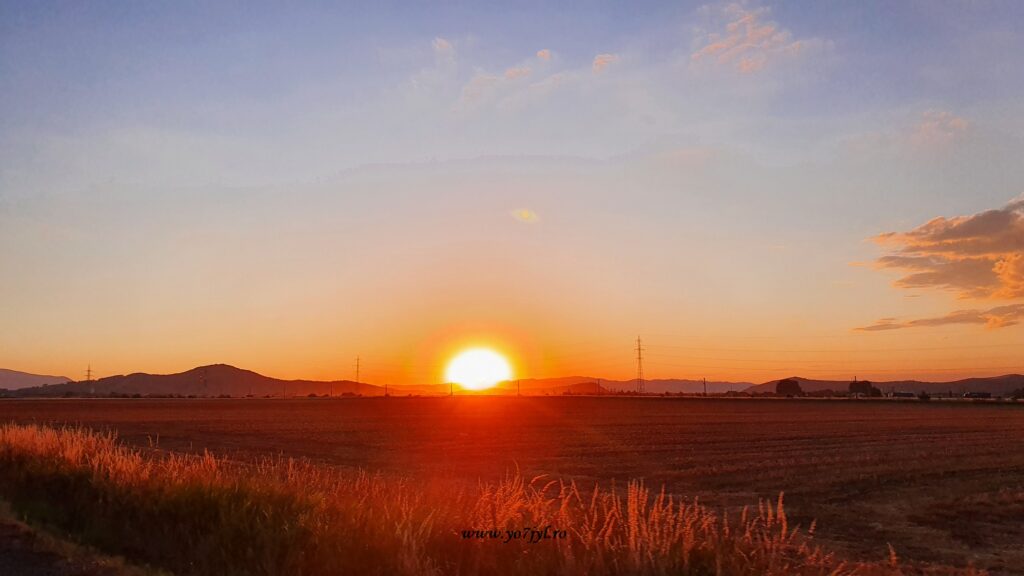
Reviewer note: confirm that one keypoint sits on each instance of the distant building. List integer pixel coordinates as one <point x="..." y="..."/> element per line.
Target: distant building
<point x="903" y="395"/>
<point x="977" y="395"/>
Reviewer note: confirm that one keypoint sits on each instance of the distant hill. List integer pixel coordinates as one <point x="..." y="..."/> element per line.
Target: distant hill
<point x="215" y="380"/>
<point x="13" y="380"/>
<point x="676" y="386"/>
<point x="589" y="384"/>
<point x="222" y="379"/>
<point x="995" y="384"/>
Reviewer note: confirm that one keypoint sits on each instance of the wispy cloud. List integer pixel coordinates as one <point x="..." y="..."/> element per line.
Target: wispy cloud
<point x="517" y="72"/>
<point x="525" y="215"/>
<point x="478" y="89"/>
<point x="748" y="43"/>
<point x="997" y="317"/>
<point x="443" y="47"/>
<point x="602" y="62"/>
<point x="544" y="54"/>
<point x="939" y="128"/>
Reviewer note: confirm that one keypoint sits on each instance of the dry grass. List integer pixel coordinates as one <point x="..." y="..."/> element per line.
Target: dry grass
<point x="204" y="515"/>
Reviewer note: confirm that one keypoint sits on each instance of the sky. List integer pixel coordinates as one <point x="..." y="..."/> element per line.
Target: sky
<point x="756" y="189"/>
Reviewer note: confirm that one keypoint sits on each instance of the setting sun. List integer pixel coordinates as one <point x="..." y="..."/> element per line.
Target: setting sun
<point x="478" y="369"/>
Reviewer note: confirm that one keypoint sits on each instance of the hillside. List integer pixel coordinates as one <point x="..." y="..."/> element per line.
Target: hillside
<point x="13" y="380"/>
<point x="996" y="385"/>
<point x="215" y="380"/>
<point x="657" y="386"/>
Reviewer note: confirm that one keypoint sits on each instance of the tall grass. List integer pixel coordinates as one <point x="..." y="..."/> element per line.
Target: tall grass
<point x="203" y="515"/>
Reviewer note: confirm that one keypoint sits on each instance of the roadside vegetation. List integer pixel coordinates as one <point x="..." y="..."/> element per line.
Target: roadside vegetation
<point x="203" y="515"/>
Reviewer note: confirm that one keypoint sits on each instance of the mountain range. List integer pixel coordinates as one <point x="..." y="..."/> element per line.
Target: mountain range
<point x="225" y="380"/>
<point x="214" y="380"/>
<point x="13" y="380"/>
<point x="994" y="384"/>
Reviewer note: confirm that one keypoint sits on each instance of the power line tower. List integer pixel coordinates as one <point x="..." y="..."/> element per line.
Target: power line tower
<point x="357" y="369"/>
<point x="639" y="366"/>
<point x="88" y="378"/>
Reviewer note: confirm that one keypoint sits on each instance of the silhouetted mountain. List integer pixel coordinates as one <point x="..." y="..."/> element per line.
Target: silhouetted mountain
<point x="580" y="384"/>
<point x="221" y="379"/>
<point x="215" y="380"/>
<point x="995" y="384"/>
<point x="13" y="380"/>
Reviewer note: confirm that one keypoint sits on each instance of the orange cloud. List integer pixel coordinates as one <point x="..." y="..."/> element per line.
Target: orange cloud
<point x="748" y="44"/>
<point x="517" y="72"/>
<point x="603" y="61"/>
<point x="978" y="256"/>
<point x="997" y="317"/>
<point x="544" y="54"/>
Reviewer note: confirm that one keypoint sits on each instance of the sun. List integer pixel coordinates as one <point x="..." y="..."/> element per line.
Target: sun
<point x="478" y="369"/>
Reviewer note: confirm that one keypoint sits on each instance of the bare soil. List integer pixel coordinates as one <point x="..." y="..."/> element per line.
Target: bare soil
<point x="941" y="482"/>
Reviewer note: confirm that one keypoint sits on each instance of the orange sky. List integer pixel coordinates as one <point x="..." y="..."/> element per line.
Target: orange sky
<point x="289" y="191"/>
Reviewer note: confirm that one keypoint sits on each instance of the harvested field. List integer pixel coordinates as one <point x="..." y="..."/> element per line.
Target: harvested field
<point x="940" y="482"/>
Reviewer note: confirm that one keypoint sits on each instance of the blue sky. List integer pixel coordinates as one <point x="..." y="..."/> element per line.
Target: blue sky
<point x="221" y="163"/>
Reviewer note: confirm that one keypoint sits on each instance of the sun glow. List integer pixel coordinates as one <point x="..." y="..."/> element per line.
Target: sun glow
<point x="478" y="369"/>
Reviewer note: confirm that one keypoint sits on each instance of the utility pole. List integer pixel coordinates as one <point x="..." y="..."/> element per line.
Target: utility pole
<point x="357" y="369"/>
<point x="705" y="386"/>
<point x="639" y="366"/>
<point x="451" y="389"/>
<point x="519" y="387"/>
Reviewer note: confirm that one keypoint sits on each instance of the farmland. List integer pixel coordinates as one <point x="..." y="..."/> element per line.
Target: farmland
<point x="940" y="482"/>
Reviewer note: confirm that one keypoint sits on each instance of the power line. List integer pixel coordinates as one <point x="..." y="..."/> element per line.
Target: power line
<point x="639" y="366"/>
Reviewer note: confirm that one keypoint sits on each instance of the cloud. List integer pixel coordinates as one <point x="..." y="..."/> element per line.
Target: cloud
<point x="602" y="62"/>
<point x="443" y="47"/>
<point x="748" y="43"/>
<point x="938" y="128"/>
<point x="977" y="256"/>
<point x="525" y="216"/>
<point x="544" y="54"/>
<point x="920" y="132"/>
<point x="998" y="317"/>
<point x="517" y="72"/>
<point x="478" y="89"/>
